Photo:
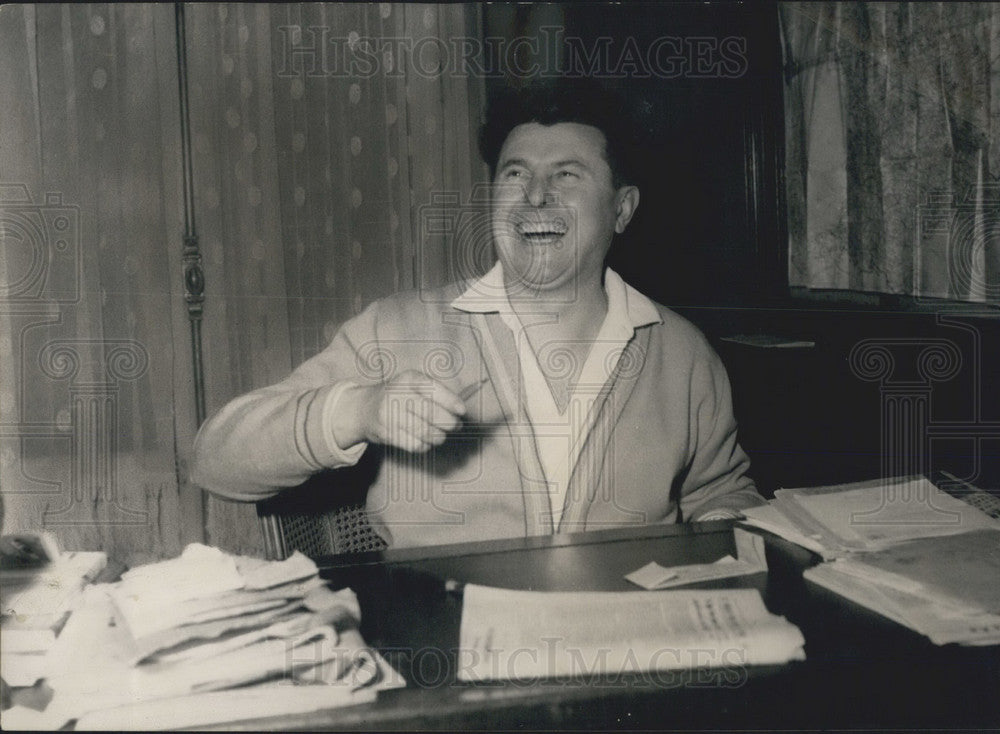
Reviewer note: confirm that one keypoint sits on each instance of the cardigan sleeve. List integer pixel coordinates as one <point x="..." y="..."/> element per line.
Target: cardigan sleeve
<point x="716" y="484"/>
<point x="277" y="436"/>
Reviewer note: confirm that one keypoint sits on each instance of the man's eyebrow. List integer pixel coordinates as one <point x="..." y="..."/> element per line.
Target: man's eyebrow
<point x="521" y="162"/>
<point x="570" y="162"/>
<point x="512" y="162"/>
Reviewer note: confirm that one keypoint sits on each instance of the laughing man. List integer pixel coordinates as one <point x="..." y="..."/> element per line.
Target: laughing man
<point x="546" y="396"/>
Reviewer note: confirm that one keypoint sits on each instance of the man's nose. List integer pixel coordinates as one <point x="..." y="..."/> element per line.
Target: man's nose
<point x="538" y="191"/>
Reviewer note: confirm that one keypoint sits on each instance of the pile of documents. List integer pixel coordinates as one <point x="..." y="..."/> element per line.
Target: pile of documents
<point x="176" y="611"/>
<point x="163" y="647"/>
<point x="37" y="599"/>
<point x="901" y="547"/>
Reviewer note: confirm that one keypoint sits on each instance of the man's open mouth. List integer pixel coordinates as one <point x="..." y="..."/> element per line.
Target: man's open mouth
<point x="541" y="233"/>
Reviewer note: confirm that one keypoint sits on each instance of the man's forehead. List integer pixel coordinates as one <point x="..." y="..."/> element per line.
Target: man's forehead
<point x="555" y="139"/>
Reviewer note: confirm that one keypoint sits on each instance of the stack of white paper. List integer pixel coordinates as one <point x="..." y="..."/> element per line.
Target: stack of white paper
<point x="36" y="602"/>
<point x="219" y="708"/>
<point x="206" y="593"/>
<point x="901" y="547"/>
<point x="945" y="588"/>
<point x="865" y="516"/>
<point x="205" y="622"/>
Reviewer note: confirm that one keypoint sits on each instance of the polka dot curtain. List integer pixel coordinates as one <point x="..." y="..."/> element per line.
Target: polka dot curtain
<point x="95" y="384"/>
<point x="318" y="141"/>
<point x="308" y="193"/>
<point x="319" y="137"/>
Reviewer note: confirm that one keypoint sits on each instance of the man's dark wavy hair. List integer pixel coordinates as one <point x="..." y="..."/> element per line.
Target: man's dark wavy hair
<point x="561" y="99"/>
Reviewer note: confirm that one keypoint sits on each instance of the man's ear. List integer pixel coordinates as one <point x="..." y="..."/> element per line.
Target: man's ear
<point x="628" y="202"/>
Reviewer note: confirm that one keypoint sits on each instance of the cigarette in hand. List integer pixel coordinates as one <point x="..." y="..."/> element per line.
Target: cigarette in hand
<point x="469" y="390"/>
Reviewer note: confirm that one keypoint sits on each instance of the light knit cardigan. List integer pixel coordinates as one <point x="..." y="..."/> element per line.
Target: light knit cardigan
<point x="663" y="447"/>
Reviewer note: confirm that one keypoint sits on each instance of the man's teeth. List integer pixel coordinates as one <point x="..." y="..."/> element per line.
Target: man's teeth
<point x="541" y="231"/>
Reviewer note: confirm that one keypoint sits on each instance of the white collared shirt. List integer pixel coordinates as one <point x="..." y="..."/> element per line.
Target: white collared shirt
<point x="559" y="436"/>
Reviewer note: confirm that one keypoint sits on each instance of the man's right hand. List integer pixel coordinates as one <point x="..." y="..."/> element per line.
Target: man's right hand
<point x="412" y="412"/>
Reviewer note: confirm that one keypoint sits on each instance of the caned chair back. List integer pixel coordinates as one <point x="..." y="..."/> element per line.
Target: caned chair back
<point x="323" y="516"/>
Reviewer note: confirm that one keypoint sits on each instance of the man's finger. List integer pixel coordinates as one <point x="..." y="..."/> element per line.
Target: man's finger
<point x="401" y="436"/>
<point x="428" y="421"/>
<point x="415" y="424"/>
<point x="433" y="414"/>
<point x="425" y="386"/>
<point x="448" y="400"/>
<point x="434" y="435"/>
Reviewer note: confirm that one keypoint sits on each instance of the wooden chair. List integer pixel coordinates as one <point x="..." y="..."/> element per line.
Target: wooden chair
<point x="323" y="516"/>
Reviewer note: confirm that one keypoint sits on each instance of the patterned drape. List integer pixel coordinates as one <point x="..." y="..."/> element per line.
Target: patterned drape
<point x="310" y="177"/>
<point x="90" y="395"/>
<point x="893" y="147"/>
<point x="309" y="192"/>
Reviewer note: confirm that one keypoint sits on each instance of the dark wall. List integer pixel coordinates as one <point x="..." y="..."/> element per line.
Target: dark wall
<point x="710" y="240"/>
<point x="702" y="83"/>
<point x="708" y="105"/>
<point x="849" y="408"/>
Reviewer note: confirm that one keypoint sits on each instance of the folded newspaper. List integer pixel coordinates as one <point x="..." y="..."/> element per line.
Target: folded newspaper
<point x="516" y="635"/>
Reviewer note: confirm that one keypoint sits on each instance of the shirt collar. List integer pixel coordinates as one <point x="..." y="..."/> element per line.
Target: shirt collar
<point x="626" y="306"/>
<point x="485" y="295"/>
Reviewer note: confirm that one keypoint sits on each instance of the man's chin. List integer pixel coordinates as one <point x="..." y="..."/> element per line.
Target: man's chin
<point x="537" y="284"/>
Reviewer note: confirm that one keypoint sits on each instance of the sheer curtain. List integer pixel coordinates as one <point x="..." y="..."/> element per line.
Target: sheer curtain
<point x="311" y="174"/>
<point x="893" y="147"/>
<point x="88" y="322"/>
<point x="309" y="189"/>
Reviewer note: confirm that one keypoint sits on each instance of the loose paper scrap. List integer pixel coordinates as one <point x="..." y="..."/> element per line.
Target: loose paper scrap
<point x="750" y="559"/>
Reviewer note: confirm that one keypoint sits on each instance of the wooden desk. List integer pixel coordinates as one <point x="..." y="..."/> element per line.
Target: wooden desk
<point x="862" y="671"/>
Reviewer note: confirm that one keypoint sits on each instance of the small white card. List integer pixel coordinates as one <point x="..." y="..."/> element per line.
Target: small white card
<point x="750" y="559"/>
